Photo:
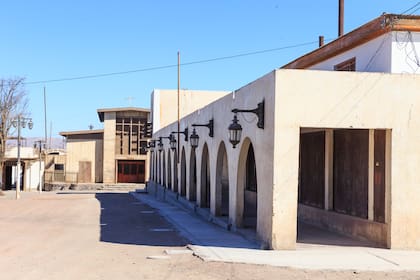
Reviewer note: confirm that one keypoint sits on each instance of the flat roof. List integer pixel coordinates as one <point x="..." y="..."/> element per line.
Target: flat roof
<point x="81" y="132"/>
<point x="101" y="112"/>
<point x="367" y="32"/>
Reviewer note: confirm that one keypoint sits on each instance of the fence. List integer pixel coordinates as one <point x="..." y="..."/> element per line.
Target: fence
<point x="60" y="176"/>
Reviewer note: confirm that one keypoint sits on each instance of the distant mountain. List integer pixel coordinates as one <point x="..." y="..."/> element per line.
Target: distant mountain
<point x="52" y="143"/>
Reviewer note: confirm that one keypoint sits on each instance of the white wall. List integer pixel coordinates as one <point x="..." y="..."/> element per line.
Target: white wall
<point x="405" y="52"/>
<point x="373" y="56"/>
<point x="395" y="52"/>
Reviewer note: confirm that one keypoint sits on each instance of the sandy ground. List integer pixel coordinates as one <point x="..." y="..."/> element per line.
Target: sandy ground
<point x="111" y="236"/>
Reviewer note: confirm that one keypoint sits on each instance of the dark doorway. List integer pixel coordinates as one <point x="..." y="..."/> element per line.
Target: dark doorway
<point x="251" y="190"/>
<point x="193" y="177"/>
<point x="205" y="179"/>
<point x="183" y="174"/>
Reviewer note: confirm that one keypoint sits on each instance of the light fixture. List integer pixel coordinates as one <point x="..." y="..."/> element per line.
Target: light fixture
<point x="151" y="145"/>
<point x="194" y="139"/>
<point x="172" y="143"/>
<point x="235" y="129"/>
<point x="160" y="144"/>
<point x="209" y="125"/>
<point x="185" y="132"/>
<point x="259" y="111"/>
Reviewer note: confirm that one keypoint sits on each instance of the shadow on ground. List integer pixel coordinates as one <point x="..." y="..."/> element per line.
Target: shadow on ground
<point x="125" y="220"/>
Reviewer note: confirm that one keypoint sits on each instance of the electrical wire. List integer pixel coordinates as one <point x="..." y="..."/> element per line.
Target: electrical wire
<point x="154" y="68"/>
<point x="411" y="8"/>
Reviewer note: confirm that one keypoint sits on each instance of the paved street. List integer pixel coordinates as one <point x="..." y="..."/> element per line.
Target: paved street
<point x="114" y="236"/>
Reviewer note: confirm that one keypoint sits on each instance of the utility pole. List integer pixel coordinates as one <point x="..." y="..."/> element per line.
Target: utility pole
<point x="45" y="116"/>
<point x="179" y="82"/>
<point x="39" y="144"/>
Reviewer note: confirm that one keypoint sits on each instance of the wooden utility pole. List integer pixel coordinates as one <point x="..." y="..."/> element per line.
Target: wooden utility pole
<point x="45" y="117"/>
<point x="179" y="81"/>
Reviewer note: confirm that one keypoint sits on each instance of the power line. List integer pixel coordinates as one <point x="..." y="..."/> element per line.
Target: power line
<point x="101" y="75"/>
<point x="411" y="8"/>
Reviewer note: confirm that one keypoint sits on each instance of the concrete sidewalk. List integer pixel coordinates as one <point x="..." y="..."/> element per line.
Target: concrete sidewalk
<point x="212" y="243"/>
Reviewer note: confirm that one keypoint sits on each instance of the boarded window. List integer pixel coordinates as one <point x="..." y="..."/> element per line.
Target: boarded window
<point x="312" y="169"/>
<point x="351" y="155"/>
<point x="348" y="65"/>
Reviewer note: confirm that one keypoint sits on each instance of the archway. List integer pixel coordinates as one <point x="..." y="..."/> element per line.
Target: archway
<point x="183" y="173"/>
<point x="159" y="168"/>
<point x="163" y="169"/>
<point x="205" y="179"/>
<point x="155" y="170"/>
<point x="247" y="193"/>
<point x="193" y="177"/>
<point x="175" y="188"/>
<point x="222" y="182"/>
<point x="169" y="184"/>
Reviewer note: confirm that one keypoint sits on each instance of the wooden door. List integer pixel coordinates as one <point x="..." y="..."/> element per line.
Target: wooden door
<point x="379" y="176"/>
<point x="131" y="171"/>
<point x="85" y="172"/>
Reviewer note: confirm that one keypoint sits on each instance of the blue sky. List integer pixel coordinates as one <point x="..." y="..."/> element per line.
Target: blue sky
<point x="47" y="40"/>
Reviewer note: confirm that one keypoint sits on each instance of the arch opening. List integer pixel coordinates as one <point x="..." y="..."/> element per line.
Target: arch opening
<point x="205" y="179"/>
<point x="222" y="182"/>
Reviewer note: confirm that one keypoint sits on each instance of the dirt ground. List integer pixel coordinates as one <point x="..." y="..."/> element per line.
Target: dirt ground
<point x="112" y="236"/>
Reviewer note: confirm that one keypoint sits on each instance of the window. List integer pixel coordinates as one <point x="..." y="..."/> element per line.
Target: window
<point x="348" y="65"/>
<point x="59" y="167"/>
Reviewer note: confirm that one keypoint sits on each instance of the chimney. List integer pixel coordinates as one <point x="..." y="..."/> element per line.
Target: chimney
<point x="340" y="17"/>
<point x="321" y="40"/>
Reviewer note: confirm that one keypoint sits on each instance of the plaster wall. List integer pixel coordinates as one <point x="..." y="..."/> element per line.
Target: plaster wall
<point x="349" y="100"/>
<point x="164" y="104"/>
<point x="262" y="140"/>
<point x="33" y="173"/>
<point x="85" y="150"/>
<point x="109" y="171"/>
<point x="406" y="52"/>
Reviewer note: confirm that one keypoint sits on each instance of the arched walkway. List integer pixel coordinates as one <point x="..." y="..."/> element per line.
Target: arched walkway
<point x="175" y="188"/>
<point x="205" y="179"/>
<point x="193" y="177"/>
<point x="222" y="182"/>
<point x="183" y="173"/>
<point x="163" y="169"/>
<point x="169" y="184"/>
<point x="247" y="186"/>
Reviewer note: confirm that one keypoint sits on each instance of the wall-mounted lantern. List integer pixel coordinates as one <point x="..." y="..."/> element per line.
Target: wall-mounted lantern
<point x="194" y="138"/>
<point x="160" y="144"/>
<point x="185" y="132"/>
<point x="172" y="142"/>
<point x="151" y="145"/>
<point x="209" y="125"/>
<point x="235" y="129"/>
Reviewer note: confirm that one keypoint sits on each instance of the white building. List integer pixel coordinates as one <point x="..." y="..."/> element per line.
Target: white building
<point x="339" y="150"/>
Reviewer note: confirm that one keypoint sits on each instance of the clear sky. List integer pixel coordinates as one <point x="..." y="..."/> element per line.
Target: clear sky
<point x="49" y="40"/>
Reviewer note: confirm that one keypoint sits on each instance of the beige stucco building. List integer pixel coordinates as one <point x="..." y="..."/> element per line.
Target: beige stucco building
<point x="336" y="149"/>
<point x="114" y="154"/>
